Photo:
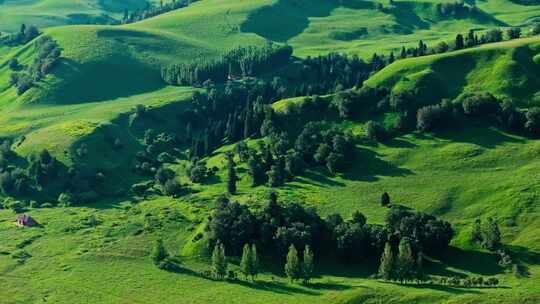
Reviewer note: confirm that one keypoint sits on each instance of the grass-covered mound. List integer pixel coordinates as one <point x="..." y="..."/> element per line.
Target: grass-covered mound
<point x="506" y="69"/>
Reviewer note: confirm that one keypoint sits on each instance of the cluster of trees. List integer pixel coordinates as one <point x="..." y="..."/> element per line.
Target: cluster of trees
<point x="456" y="9"/>
<point x="469" y="282"/>
<point x="296" y="268"/>
<point x="152" y="11"/>
<point x="332" y="73"/>
<point x="234" y="64"/>
<point x="279" y="160"/>
<point x="23" y="36"/>
<point x="274" y="227"/>
<point x="479" y="106"/>
<point x="48" y="52"/>
<point x="488" y="235"/>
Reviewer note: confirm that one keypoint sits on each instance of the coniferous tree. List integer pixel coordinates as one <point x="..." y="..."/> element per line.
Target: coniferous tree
<point x="405" y="260"/>
<point x="246" y="264"/>
<point x="255" y="267"/>
<point x="492" y="235"/>
<point x="476" y="234"/>
<point x="308" y="266"/>
<point x="293" y="268"/>
<point x="159" y="253"/>
<point x="219" y="261"/>
<point x="385" y="199"/>
<point x="459" y="44"/>
<point x="387" y="268"/>
<point x="232" y="178"/>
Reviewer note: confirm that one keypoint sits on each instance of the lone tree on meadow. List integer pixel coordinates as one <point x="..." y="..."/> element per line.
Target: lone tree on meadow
<point x="293" y="268"/>
<point x="219" y="261"/>
<point x="385" y="199"/>
<point x="232" y="178"/>
<point x="159" y="253"/>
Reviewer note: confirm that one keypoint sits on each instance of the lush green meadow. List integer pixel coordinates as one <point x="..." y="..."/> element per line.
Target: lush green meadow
<point x="99" y="253"/>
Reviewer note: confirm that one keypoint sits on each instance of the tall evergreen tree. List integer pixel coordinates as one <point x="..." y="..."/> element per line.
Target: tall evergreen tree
<point x="246" y="264"/>
<point x="255" y="267"/>
<point x="232" y="178"/>
<point x="387" y="268"/>
<point x="293" y="268"/>
<point x="308" y="266"/>
<point x="492" y="235"/>
<point x="159" y="253"/>
<point x="405" y="261"/>
<point x="219" y="261"/>
<point x="385" y="199"/>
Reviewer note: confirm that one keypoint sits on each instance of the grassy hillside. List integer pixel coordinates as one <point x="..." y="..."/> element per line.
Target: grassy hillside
<point x="99" y="253"/>
<point x="507" y="69"/>
<point x="45" y="13"/>
<point x="433" y="174"/>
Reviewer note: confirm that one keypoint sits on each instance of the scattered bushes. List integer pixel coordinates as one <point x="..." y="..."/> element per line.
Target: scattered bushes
<point x="48" y="53"/>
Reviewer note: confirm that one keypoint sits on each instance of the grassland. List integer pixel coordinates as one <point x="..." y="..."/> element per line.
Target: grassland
<point x="486" y="173"/>
<point x="471" y="171"/>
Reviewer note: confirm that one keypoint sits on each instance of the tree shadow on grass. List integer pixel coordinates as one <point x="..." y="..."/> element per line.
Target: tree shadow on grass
<point x="445" y="288"/>
<point x="399" y="143"/>
<point x="478" y="262"/>
<point x="276" y="287"/>
<point x="479" y="134"/>
<point x="287" y="19"/>
<point x="367" y="165"/>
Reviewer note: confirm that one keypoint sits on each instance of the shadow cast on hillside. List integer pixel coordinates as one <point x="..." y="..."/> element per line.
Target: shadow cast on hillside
<point x="477" y="262"/>
<point x="479" y="134"/>
<point x="368" y="164"/>
<point x="286" y="19"/>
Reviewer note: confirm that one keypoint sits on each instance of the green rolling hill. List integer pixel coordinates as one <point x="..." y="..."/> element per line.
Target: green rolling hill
<point x="99" y="252"/>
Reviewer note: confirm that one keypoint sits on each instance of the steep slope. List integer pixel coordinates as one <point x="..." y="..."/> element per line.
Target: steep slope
<point x="506" y="69"/>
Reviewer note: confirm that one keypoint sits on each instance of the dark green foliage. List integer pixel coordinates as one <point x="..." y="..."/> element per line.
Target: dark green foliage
<point x="219" y="261"/>
<point x="375" y="131"/>
<point x="430" y="118"/>
<point x="198" y="172"/>
<point x="153" y="10"/>
<point x="239" y="62"/>
<point x="483" y="104"/>
<point x="308" y="264"/>
<point x="232" y="178"/>
<point x="513" y="33"/>
<point x="494" y="35"/>
<point x="533" y="120"/>
<point x="388" y="265"/>
<point x="385" y="199"/>
<point x="159" y="253"/>
<point x="428" y="233"/>
<point x="25" y="35"/>
<point x="293" y="267"/>
<point x="491" y="236"/>
<point x="249" y="262"/>
<point x="406" y="263"/>
<point x="48" y="53"/>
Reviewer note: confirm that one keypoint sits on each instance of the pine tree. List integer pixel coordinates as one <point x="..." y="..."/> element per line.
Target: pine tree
<point x="159" y="253"/>
<point x="246" y="264"/>
<point x="388" y="264"/>
<point x="219" y="261"/>
<point x="419" y="271"/>
<point x="405" y="260"/>
<point x="385" y="199"/>
<point x="231" y="175"/>
<point x="308" y="266"/>
<point x="254" y="262"/>
<point x="492" y="235"/>
<point x="476" y="234"/>
<point x="293" y="269"/>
